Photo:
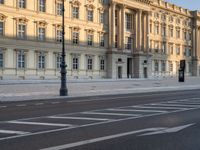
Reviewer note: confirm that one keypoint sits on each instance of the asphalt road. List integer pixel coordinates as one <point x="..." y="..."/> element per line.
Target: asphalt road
<point x="151" y="121"/>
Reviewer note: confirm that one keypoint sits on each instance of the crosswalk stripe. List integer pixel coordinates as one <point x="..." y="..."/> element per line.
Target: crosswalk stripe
<point x="112" y="114"/>
<point x="185" y="102"/>
<point x="138" y="110"/>
<point x="39" y="123"/>
<point x="178" y="105"/>
<point x="157" y="107"/>
<point x="79" y="118"/>
<point x="13" y="132"/>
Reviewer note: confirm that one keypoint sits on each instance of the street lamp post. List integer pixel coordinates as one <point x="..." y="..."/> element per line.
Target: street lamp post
<point x="63" y="88"/>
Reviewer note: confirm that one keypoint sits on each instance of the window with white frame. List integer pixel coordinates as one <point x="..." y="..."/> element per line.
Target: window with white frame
<point x="89" y="39"/>
<point x="163" y="67"/>
<point x="58" y="61"/>
<point x="156" y="66"/>
<point x="20" y="59"/>
<point x="90" y="15"/>
<point x="59" y="35"/>
<point x="42" y="5"/>
<point x="102" y="41"/>
<point x="75" y="63"/>
<point x="156" y="28"/>
<point x="128" y="21"/>
<point x="1" y="28"/>
<point x="164" y="47"/>
<point x="178" y="50"/>
<point x="89" y="63"/>
<point x="21" y="31"/>
<point x="22" y="3"/>
<point x="178" y="34"/>
<point x="171" y="32"/>
<point x="1" y="60"/>
<point x="41" y="34"/>
<point x="163" y="30"/>
<point x="184" y="35"/>
<point x="128" y="43"/>
<point x="102" y="64"/>
<point x="1" y="1"/>
<point x="41" y="60"/>
<point x="59" y="9"/>
<point x="101" y="14"/>
<point x="163" y="17"/>
<point x="75" y="12"/>
<point x="75" y="38"/>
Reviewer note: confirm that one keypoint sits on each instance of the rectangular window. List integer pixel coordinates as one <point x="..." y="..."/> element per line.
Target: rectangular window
<point x="75" y="12"/>
<point x="1" y="60"/>
<point x="1" y="1"/>
<point x="163" y="66"/>
<point x="22" y="3"/>
<point x="116" y="41"/>
<point x="75" y="38"/>
<point x="58" y="61"/>
<point x="1" y="28"/>
<point x="89" y="64"/>
<point x="163" y="31"/>
<point x="128" y="43"/>
<point x="164" y="47"/>
<point x="178" y="34"/>
<point x="170" y="66"/>
<point x="102" y="41"/>
<point x="59" y="36"/>
<point x="90" y="15"/>
<point x="59" y="9"/>
<point x="156" y="66"/>
<point x="101" y="17"/>
<point x="75" y="63"/>
<point x="102" y="64"/>
<point x="90" y="40"/>
<point x="41" y="34"/>
<point x="41" y="61"/>
<point x="177" y="50"/>
<point x="21" y="59"/>
<point x="42" y="5"/>
<point x="171" y="49"/>
<point x="21" y="33"/>
<point x="156" y="29"/>
<point x="116" y="18"/>
<point x="128" y="22"/>
<point x="171" y="32"/>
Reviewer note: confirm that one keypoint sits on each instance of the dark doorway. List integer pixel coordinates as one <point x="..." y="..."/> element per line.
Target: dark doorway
<point x="119" y="72"/>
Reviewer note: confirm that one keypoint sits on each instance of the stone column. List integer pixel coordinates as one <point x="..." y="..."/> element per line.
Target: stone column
<point x="113" y="24"/>
<point x="139" y="28"/>
<point x="119" y="29"/>
<point x="148" y="32"/>
<point x="110" y="27"/>
<point x="122" y="26"/>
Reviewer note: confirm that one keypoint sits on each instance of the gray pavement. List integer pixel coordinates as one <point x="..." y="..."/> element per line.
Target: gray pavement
<point x="16" y="90"/>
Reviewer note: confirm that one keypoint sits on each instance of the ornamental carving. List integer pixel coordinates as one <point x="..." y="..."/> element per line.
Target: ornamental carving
<point x="90" y="31"/>
<point x="75" y="3"/>
<point x="101" y="9"/>
<point x="21" y="19"/>
<point x="75" y="28"/>
<point x="2" y="17"/>
<point x="42" y="23"/>
<point x="90" y="6"/>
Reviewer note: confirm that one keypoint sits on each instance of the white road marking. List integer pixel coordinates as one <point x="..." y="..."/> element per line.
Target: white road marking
<point x="112" y="114"/>
<point x="169" y="130"/>
<point x="13" y="132"/>
<point x="39" y="104"/>
<point x="55" y="102"/>
<point x="157" y="107"/>
<point x="3" y="106"/>
<point x="93" y="124"/>
<point x="21" y="105"/>
<point x="39" y="123"/>
<point x="99" y="139"/>
<point x="137" y="110"/>
<point x="184" y="103"/>
<point x="79" y="118"/>
<point x="179" y="105"/>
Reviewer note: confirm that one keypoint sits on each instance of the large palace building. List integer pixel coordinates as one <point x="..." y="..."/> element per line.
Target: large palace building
<point x="104" y="39"/>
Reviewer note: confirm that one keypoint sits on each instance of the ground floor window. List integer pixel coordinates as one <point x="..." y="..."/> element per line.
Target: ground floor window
<point x="156" y="66"/>
<point x="163" y="66"/>
<point x="41" y="61"/>
<point x="75" y="63"/>
<point x="1" y="60"/>
<point x="20" y="59"/>
<point x="58" y="61"/>
<point x="102" y="64"/>
<point x="89" y="63"/>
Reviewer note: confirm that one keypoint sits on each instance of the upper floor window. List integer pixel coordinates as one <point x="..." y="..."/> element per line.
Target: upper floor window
<point x="116" y="18"/>
<point x="21" y="31"/>
<point x="90" y="40"/>
<point x="178" y="34"/>
<point x="59" y="8"/>
<point x="59" y="35"/>
<point x="58" y="61"/>
<point x="1" y="1"/>
<point x="90" y="15"/>
<point x="22" y="3"/>
<point x="101" y="17"/>
<point x="128" y="43"/>
<point x="1" y="59"/>
<point x="41" y="34"/>
<point x="75" y="38"/>
<point x="171" y="19"/>
<point x="42" y="5"/>
<point x="128" y="21"/>
<point x="102" y="1"/>
<point x="163" y="17"/>
<point x="171" y="32"/>
<point x="156" y="28"/>
<point x="20" y="59"/>
<point x="1" y="28"/>
<point x="177" y="50"/>
<point x="156" y="66"/>
<point x="75" y="12"/>
<point x="163" y="67"/>
<point x="102" y="41"/>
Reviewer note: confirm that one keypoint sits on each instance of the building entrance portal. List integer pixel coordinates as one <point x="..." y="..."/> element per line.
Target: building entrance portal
<point x="119" y="72"/>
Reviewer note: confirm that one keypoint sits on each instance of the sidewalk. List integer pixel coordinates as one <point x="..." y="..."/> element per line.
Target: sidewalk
<point x="15" y="90"/>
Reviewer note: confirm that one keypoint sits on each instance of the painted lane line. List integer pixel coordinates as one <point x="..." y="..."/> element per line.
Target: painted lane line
<point x="179" y="105"/>
<point x="21" y="105"/>
<point x="94" y="124"/>
<point x="152" y="107"/>
<point x="137" y="110"/>
<point x="99" y="139"/>
<point x="79" y="118"/>
<point x="3" y="106"/>
<point x="185" y="103"/>
<point x="55" y="102"/>
<point x="39" y="123"/>
<point x="111" y="114"/>
<point x="13" y="132"/>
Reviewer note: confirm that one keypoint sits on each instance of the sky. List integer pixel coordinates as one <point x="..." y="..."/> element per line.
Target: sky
<point x="189" y="4"/>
